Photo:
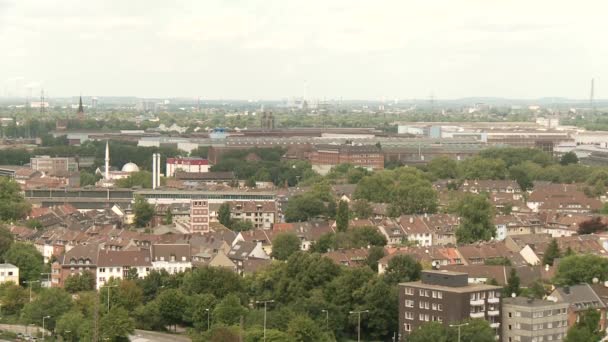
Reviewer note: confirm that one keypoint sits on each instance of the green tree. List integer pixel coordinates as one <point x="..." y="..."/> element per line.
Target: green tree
<point x="587" y="328"/>
<point x="172" y="303"/>
<point x="477" y="330"/>
<point x="13" y="297"/>
<point x="303" y="329"/>
<point x="229" y="310"/>
<point x="551" y="253"/>
<point x="240" y="225"/>
<point x="141" y="179"/>
<point x="284" y="245"/>
<point x="116" y="325"/>
<point x="27" y="258"/>
<point x="304" y="207"/>
<point x="52" y="302"/>
<point x="375" y="254"/>
<point x="13" y="205"/>
<point x="576" y="269"/>
<point x="363" y="237"/>
<point x="84" y="281"/>
<point x="431" y="331"/>
<point x="197" y="309"/>
<point x="6" y="240"/>
<point x="512" y="285"/>
<point x="342" y="216"/>
<point x="362" y="209"/>
<point x="87" y="178"/>
<point x="402" y="268"/>
<point x="522" y="176"/>
<point x="168" y="216"/>
<point x="143" y="211"/>
<point x="443" y="168"/>
<point x="70" y="326"/>
<point x="569" y="158"/>
<point x="482" y="168"/>
<point x="223" y="214"/>
<point x="476" y="216"/>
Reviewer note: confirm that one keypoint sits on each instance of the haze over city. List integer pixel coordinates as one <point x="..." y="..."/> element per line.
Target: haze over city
<point x="320" y="49"/>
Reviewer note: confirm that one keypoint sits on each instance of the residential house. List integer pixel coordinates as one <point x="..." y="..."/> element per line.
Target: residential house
<point x="120" y="264"/>
<point x="171" y="257"/>
<point x="580" y="298"/>
<point x="9" y="272"/>
<point x="348" y="257"/>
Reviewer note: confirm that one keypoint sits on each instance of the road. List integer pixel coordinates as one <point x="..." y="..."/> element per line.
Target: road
<point x="20" y="328"/>
<point x="153" y="336"/>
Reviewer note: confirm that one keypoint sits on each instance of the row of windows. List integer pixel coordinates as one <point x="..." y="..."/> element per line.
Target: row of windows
<point x="556" y="337"/>
<point x="541" y="326"/>
<point x="424" y="293"/>
<point x="539" y="314"/>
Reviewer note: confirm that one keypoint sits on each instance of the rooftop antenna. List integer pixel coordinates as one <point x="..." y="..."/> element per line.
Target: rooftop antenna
<point x="591" y="102"/>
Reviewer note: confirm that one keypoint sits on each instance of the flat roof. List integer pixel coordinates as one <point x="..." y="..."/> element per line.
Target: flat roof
<point x="457" y="289"/>
<point x="524" y="301"/>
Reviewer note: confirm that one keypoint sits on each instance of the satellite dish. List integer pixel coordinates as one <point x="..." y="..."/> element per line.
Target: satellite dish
<point x="513" y="295"/>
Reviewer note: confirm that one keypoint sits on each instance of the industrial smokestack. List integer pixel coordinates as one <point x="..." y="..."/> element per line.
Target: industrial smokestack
<point x="154" y="185"/>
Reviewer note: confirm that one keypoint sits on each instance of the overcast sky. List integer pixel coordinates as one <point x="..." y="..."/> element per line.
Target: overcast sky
<point x="271" y="49"/>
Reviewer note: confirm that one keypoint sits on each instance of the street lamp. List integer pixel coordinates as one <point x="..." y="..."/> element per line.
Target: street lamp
<point x="208" y="319"/>
<point x="458" y="326"/>
<point x="108" y="287"/>
<point x="326" y="318"/>
<point x="265" y="305"/>
<point x="29" y="282"/>
<point x="68" y="332"/>
<point x="358" y="313"/>
<point x="43" y="331"/>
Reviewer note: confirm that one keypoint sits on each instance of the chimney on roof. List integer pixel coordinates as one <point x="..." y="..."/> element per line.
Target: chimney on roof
<point x="411" y="219"/>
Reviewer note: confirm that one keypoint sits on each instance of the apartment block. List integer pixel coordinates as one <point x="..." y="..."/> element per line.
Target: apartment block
<point x="533" y="320"/>
<point x="446" y="297"/>
<point x="54" y="166"/>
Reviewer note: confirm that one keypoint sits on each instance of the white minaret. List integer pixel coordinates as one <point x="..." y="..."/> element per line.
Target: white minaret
<point x="107" y="171"/>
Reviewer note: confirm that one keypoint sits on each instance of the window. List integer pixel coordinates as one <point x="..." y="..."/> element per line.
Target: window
<point x="409" y="291"/>
<point x="408" y="327"/>
<point x="537" y="314"/>
<point x="440" y="307"/>
<point x="409" y="315"/>
<point x="421" y="293"/>
<point x="409" y="303"/>
<point x="421" y="305"/>
<point x="434" y="306"/>
<point x="102" y="270"/>
<point x="439" y="294"/>
<point x="421" y="317"/>
<point x="510" y="314"/>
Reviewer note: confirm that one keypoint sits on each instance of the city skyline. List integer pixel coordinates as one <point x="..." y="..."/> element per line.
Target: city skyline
<point x="278" y="49"/>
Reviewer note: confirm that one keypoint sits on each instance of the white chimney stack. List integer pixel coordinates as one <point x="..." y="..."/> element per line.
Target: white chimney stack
<point x="107" y="170"/>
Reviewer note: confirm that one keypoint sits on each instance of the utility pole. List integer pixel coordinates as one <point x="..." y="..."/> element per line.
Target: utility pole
<point x="265" y="306"/>
<point x="458" y="326"/>
<point x="44" y="331"/>
<point x="208" y="319"/>
<point x="29" y="282"/>
<point x="108" y="287"/>
<point x="358" y="313"/>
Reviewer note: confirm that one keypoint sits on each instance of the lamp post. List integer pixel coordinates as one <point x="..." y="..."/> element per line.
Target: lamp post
<point x="458" y="326"/>
<point x="358" y="313"/>
<point x="29" y="283"/>
<point x="108" y="287"/>
<point x="68" y="332"/>
<point x="326" y="318"/>
<point x="43" y="331"/>
<point x="265" y="306"/>
<point x="208" y="319"/>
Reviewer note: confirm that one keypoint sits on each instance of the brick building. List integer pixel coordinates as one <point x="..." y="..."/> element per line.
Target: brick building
<point x="324" y="157"/>
<point x="446" y="297"/>
<point x="199" y="215"/>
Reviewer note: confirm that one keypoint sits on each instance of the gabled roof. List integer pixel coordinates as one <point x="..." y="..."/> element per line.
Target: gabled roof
<point x="136" y="258"/>
<point x="180" y="252"/>
<point x="580" y="297"/>
<point x="241" y="250"/>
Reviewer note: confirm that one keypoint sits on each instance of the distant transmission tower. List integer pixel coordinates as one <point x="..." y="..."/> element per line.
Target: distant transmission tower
<point x="41" y="102"/>
<point x="591" y="96"/>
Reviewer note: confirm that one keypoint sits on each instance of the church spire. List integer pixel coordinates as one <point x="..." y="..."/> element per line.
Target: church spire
<point x="80" y="112"/>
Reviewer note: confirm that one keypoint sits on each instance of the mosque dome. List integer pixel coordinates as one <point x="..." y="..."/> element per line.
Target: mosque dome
<point x="130" y="167"/>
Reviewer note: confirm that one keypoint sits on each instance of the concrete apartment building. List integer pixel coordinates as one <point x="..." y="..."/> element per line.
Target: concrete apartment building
<point x="446" y="297"/>
<point x="54" y="166"/>
<point x="192" y="165"/>
<point x="533" y="320"/>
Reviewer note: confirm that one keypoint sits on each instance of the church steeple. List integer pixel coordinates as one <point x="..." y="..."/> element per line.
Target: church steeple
<point x="80" y="112"/>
